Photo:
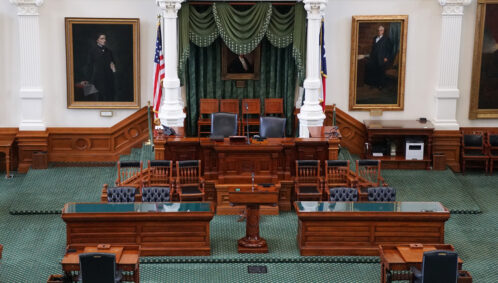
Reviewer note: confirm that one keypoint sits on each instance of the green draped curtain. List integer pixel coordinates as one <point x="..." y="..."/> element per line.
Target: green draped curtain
<point x="203" y="80"/>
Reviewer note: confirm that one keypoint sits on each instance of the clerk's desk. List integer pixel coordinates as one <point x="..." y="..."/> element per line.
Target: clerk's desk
<point x="161" y="229"/>
<point x="357" y="228"/>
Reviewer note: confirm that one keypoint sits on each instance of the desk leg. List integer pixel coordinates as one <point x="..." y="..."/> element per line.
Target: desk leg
<point x="252" y="242"/>
<point x="136" y="274"/>
<point x="7" y="163"/>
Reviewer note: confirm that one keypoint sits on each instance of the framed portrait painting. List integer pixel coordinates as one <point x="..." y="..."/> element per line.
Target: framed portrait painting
<point x="102" y="63"/>
<point x="484" y="91"/>
<point x="240" y="67"/>
<point x="378" y="56"/>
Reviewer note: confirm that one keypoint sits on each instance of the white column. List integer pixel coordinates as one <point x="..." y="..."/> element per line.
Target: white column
<point x="447" y="92"/>
<point x="31" y="90"/>
<point x="171" y="108"/>
<point x="311" y="113"/>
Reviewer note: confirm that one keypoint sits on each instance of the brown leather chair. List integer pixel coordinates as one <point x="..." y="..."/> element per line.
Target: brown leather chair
<point x="308" y="183"/>
<point x="251" y="111"/>
<point x="473" y="148"/>
<point x="189" y="183"/>
<point x="274" y="106"/>
<point x="207" y="106"/>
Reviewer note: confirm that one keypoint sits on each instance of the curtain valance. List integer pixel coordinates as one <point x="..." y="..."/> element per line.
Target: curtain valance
<point x="242" y="30"/>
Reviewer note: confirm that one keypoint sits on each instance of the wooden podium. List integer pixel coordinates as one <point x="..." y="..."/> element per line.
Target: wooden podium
<point x="252" y="199"/>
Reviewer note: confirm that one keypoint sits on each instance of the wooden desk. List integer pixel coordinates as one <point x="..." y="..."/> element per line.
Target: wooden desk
<point x="252" y="198"/>
<point x="5" y="147"/>
<point x="402" y="257"/>
<point x="225" y="207"/>
<point x="396" y="130"/>
<point x="357" y="228"/>
<point x="127" y="259"/>
<point x="161" y="229"/>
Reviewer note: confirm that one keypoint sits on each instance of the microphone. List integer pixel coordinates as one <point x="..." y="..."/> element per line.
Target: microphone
<point x="247" y="123"/>
<point x="252" y="177"/>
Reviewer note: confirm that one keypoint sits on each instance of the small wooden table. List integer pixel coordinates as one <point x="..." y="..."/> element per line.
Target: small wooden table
<point x="127" y="258"/>
<point x="253" y="198"/>
<point x="402" y="257"/>
<point x="5" y="147"/>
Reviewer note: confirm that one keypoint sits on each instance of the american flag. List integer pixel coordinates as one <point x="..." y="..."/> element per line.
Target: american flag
<point x="324" y="64"/>
<point x="159" y="71"/>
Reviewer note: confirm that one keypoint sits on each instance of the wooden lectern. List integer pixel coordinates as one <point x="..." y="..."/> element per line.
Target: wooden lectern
<point x="253" y="197"/>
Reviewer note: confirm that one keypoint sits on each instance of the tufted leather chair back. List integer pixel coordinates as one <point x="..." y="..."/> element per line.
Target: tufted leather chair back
<point x="472" y="140"/>
<point x="381" y="194"/>
<point x="121" y="194"/>
<point x="343" y="194"/>
<point x="272" y="127"/>
<point x="223" y="124"/>
<point x="155" y="194"/>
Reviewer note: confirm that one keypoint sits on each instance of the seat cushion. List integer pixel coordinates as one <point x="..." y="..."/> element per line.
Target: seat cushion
<point x="191" y="190"/>
<point x="309" y="190"/>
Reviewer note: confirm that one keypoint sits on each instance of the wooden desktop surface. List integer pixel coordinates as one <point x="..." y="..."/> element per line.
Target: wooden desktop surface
<point x="127" y="258"/>
<point x="403" y="256"/>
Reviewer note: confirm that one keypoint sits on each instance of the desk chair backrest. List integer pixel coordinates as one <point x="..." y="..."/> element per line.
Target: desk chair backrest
<point x="337" y="173"/>
<point x="473" y="142"/>
<point x="307" y="171"/>
<point x="343" y="194"/>
<point x="440" y="266"/>
<point x="188" y="172"/>
<point x="381" y="194"/>
<point x="229" y="106"/>
<point x="98" y="268"/>
<point x="223" y="124"/>
<point x="274" y="106"/>
<point x="128" y="171"/>
<point x="156" y="194"/>
<point x="272" y="127"/>
<point x="121" y="194"/>
<point x="368" y="173"/>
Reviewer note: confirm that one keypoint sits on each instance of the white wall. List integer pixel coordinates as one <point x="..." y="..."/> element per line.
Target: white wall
<point x="424" y="28"/>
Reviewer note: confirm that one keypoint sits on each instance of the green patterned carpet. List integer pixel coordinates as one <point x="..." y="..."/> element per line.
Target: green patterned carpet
<point x="34" y="243"/>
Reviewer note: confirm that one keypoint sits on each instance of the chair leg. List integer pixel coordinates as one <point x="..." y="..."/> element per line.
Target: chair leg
<point x="463" y="167"/>
<point x="491" y="164"/>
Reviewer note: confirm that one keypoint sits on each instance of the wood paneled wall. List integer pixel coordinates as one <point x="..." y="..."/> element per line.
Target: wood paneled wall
<point x="9" y="133"/>
<point x="354" y="133"/>
<point x="448" y="143"/>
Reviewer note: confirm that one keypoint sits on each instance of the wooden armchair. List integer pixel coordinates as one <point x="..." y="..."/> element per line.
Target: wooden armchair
<point x="274" y="106"/>
<point x="206" y="108"/>
<point x="129" y="173"/>
<point x="308" y="183"/>
<point x="158" y="182"/>
<point x="337" y="174"/>
<point x="473" y="148"/>
<point x="189" y="183"/>
<point x="492" y="143"/>
<point x="368" y="174"/>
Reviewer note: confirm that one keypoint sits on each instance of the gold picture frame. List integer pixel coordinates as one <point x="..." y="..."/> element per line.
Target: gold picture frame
<point x="102" y="62"/>
<point x="378" y="62"/>
<point x="484" y="89"/>
<point x="231" y="69"/>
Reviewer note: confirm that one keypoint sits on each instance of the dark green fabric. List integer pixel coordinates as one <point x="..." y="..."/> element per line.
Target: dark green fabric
<point x="278" y="73"/>
<point x="242" y="30"/>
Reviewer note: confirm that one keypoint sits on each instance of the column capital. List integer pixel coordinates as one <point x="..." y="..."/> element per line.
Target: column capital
<point x="315" y="8"/>
<point x="453" y="7"/>
<point x="27" y="7"/>
<point x="170" y="8"/>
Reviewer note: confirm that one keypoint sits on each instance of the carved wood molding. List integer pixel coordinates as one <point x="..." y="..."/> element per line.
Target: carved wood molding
<point x="448" y="143"/>
<point x="354" y="133"/>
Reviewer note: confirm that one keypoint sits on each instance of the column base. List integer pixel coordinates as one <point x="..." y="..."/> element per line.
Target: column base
<point x="32" y="126"/>
<point x="306" y="120"/>
<point x="446" y="125"/>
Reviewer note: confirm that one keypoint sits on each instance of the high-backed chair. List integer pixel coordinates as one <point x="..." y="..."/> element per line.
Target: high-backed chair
<point x="189" y="183"/>
<point x="223" y="124"/>
<point x="272" y="127"/>
<point x="274" y="106"/>
<point x="381" y="194"/>
<point x="473" y="149"/>
<point x="158" y="185"/>
<point x="307" y="182"/>
<point x="99" y="268"/>
<point x="492" y="150"/>
<point x="368" y="174"/>
<point x="337" y="174"/>
<point x="129" y="173"/>
<point x="121" y="194"/>
<point x="231" y="106"/>
<point x="343" y="194"/>
<point x="207" y="106"/>
<point x="437" y="266"/>
<point x="251" y="111"/>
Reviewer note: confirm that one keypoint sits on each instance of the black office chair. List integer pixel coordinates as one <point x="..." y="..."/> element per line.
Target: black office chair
<point x="121" y="194"/>
<point x="343" y="194"/>
<point x="437" y="267"/>
<point x="272" y="127"/>
<point x="99" y="268"/>
<point x="223" y="124"/>
<point x="381" y="194"/>
<point x="156" y="194"/>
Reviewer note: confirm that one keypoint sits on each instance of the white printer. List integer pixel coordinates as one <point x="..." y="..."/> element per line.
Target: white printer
<point x="414" y="149"/>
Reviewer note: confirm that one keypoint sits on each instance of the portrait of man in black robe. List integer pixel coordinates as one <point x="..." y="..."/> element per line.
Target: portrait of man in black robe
<point x="379" y="59"/>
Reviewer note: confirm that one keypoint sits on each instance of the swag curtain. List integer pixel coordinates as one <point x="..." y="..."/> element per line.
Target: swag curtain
<point x="242" y="31"/>
<point x="278" y="73"/>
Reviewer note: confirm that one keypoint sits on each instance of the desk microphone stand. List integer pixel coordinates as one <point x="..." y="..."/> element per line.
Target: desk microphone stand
<point x="252" y="177"/>
<point x="247" y="123"/>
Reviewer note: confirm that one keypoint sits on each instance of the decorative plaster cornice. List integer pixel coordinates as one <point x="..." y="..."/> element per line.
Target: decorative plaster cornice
<point x="453" y="7"/>
<point x="27" y="7"/>
<point x="170" y="7"/>
<point x="315" y="8"/>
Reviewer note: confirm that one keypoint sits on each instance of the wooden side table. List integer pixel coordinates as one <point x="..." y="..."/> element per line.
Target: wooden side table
<point x="5" y="147"/>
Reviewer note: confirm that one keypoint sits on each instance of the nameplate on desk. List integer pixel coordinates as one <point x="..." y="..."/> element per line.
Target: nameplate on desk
<point x="238" y="139"/>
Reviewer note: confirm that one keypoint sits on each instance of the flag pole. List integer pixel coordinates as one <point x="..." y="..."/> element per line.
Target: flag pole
<point x="151" y="138"/>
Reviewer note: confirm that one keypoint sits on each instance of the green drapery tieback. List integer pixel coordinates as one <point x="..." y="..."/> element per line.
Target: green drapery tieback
<point x="242" y="31"/>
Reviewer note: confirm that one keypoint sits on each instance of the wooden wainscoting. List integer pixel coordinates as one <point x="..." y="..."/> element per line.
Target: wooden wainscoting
<point x="9" y="133"/>
<point x="29" y="142"/>
<point x="354" y="133"/>
<point x="448" y="143"/>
